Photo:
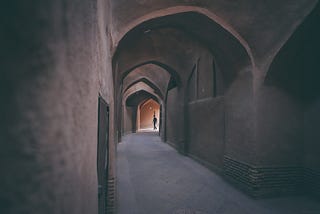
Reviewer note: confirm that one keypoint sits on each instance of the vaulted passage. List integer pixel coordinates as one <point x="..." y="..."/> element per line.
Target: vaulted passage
<point x="154" y="178"/>
<point x="159" y="106"/>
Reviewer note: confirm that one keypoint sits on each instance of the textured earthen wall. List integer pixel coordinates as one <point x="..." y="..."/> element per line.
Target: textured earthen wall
<point x="206" y="131"/>
<point x="311" y="108"/>
<point x="286" y="105"/>
<point x="173" y="119"/>
<point x="280" y="128"/>
<point x="127" y="119"/>
<point x="312" y="136"/>
<point x="53" y="65"/>
<point x="239" y="118"/>
<point x="312" y="149"/>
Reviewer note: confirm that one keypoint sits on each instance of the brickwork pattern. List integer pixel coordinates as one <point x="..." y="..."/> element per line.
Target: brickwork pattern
<point x="271" y="181"/>
<point x="312" y="182"/>
<point x="111" y="196"/>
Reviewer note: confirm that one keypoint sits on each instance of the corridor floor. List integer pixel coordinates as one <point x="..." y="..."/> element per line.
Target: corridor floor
<point x="154" y="179"/>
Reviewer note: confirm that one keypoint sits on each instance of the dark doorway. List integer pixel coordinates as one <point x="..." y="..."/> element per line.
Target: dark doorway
<point x="103" y="154"/>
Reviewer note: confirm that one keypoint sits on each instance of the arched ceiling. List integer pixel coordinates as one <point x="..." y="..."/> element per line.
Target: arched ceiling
<point x="149" y="83"/>
<point x="146" y="102"/>
<point x="174" y="76"/>
<point x="176" y="40"/>
<point x="140" y="86"/>
<point x="264" y="25"/>
<point x="196" y="25"/>
<point x="150" y="74"/>
<point x="301" y="76"/>
<point x="139" y="96"/>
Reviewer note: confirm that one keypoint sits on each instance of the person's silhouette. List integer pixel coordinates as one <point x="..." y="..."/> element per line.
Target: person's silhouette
<point x="154" y="121"/>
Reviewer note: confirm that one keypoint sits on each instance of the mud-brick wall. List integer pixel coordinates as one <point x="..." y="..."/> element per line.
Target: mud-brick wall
<point x="53" y="67"/>
<point x="206" y="131"/>
<point x="128" y="113"/>
<point x="311" y="109"/>
<point x="175" y="119"/>
<point x="312" y="149"/>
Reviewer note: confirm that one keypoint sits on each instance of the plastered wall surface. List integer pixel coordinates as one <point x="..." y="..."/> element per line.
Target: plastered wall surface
<point x="206" y="136"/>
<point x="239" y="119"/>
<point x="53" y="74"/>
<point x="173" y="119"/>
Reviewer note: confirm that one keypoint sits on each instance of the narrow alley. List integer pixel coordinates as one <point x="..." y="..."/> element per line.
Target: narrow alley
<point x="154" y="178"/>
<point x="160" y="107"/>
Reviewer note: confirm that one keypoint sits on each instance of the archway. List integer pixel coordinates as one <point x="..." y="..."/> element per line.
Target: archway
<point x="178" y="40"/>
<point x="133" y="98"/>
<point x="223" y="85"/>
<point x="147" y="110"/>
<point x="154" y="75"/>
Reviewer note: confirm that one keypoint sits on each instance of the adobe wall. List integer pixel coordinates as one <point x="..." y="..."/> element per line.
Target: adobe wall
<point x="312" y="149"/>
<point x="312" y="103"/>
<point x="174" y="119"/>
<point x="239" y="118"/>
<point x="312" y="136"/>
<point x="128" y="114"/>
<point x="205" y="135"/>
<point x="280" y="128"/>
<point x="286" y="119"/>
<point x="53" y="61"/>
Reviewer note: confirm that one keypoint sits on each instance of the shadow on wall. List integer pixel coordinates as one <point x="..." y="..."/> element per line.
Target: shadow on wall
<point x="292" y="92"/>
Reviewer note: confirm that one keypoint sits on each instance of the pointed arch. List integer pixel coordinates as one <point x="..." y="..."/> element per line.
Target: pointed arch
<point x="119" y="36"/>
<point x="174" y="74"/>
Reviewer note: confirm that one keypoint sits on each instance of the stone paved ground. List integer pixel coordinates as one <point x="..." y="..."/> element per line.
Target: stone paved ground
<point x="154" y="179"/>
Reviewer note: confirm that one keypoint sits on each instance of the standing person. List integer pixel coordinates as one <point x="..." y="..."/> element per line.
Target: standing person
<point x="154" y="121"/>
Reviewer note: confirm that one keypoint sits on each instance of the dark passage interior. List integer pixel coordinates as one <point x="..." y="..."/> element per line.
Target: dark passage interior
<point x="162" y="106"/>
